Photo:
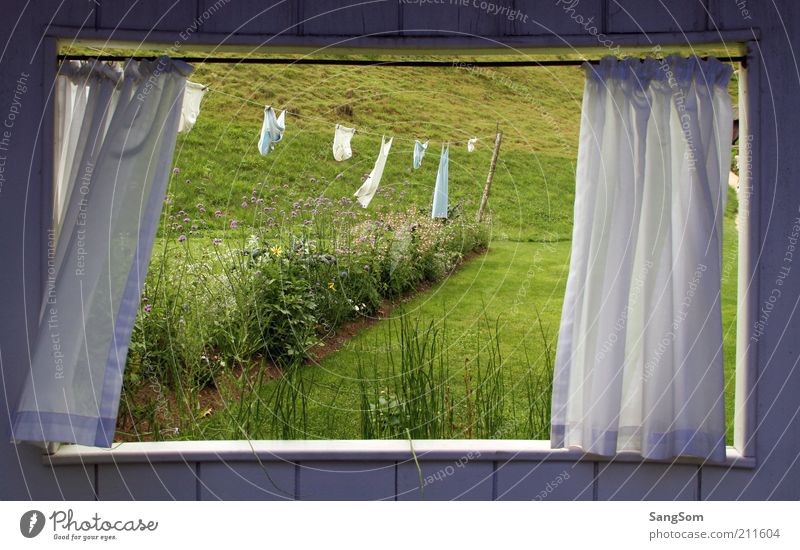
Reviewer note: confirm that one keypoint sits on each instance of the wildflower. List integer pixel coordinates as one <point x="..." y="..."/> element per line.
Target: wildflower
<point x="276" y="250"/>
<point x="181" y="238"/>
<point x="244" y="204"/>
<point x="234" y="224"/>
<point x="186" y="220"/>
<point x="216" y="242"/>
<point x="331" y="286"/>
<point x="218" y="214"/>
<point x="176" y="170"/>
<point x="258" y="273"/>
<point x="148" y="308"/>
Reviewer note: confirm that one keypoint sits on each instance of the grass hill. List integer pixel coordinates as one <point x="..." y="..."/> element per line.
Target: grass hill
<point x="538" y="110"/>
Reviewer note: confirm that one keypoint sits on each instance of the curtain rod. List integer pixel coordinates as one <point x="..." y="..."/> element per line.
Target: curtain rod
<point x="369" y="63"/>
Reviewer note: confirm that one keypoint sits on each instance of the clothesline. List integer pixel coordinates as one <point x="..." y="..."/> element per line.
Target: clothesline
<point x="324" y="121"/>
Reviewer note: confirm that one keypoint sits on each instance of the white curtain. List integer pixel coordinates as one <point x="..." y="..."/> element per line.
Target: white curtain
<point x="639" y="363"/>
<point x="116" y="132"/>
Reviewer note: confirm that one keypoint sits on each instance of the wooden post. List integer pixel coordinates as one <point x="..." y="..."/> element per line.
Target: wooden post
<point x="485" y="197"/>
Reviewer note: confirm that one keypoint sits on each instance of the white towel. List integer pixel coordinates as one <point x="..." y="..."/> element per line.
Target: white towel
<point x="271" y="130"/>
<point x="192" y="97"/>
<point x="419" y="152"/>
<point x="341" y="142"/>
<point x="367" y="190"/>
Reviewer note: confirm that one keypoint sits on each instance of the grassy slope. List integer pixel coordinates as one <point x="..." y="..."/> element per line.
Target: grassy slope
<point x="531" y="200"/>
<point x="532" y="191"/>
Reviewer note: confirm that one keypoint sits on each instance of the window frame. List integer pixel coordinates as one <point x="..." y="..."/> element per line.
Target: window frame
<point x="742" y="454"/>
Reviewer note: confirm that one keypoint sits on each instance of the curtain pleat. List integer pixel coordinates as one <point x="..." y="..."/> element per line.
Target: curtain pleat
<point x="118" y="128"/>
<point x="639" y="363"/>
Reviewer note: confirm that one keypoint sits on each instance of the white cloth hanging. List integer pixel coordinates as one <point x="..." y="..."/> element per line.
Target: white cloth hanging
<point x="471" y="144"/>
<point x="370" y="186"/>
<point x="112" y="175"/>
<point x="341" y="142"/>
<point x="439" y="209"/>
<point x="419" y="152"/>
<point x="639" y="363"/>
<point x="271" y="130"/>
<point x="192" y="97"/>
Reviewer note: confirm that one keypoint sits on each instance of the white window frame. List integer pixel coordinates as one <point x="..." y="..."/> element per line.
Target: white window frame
<point x="740" y="455"/>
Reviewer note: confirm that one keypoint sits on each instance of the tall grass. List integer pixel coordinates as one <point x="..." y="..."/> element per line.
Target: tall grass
<point x="417" y="400"/>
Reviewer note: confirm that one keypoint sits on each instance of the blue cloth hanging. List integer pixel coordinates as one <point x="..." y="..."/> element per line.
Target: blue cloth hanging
<point x="440" y="192"/>
<point x="271" y="130"/>
<point x="419" y="152"/>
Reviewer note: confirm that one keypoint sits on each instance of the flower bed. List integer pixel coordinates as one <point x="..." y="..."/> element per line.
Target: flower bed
<point x="272" y="290"/>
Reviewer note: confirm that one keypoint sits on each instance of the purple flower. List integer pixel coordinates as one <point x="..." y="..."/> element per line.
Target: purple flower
<point x="181" y="238"/>
<point x="186" y="220"/>
<point x="218" y="214"/>
<point x="176" y="170"/>
<point x="244" y="204"/>
<point x="234" y="224"/>
<point x="216" y="242"/>
<point x="148" y="308"/>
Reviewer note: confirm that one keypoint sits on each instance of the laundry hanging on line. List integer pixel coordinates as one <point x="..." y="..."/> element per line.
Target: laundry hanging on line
<point x="439" y="209"/>
<point x="370" y="186"/>
<point x="471" y="144"/>
<point x="419" y="152"/>
<point x="190" y="109"/>
<point x="271" y="130"/>
<point x="341" y="142"/>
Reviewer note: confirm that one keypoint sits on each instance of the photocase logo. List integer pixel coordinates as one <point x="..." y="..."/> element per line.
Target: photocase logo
<point x="31" y="523"/>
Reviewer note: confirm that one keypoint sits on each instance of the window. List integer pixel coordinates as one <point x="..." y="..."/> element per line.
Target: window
<point x="280" y="410"/>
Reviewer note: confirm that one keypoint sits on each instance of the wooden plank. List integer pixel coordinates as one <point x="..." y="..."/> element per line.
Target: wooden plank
<point x="324" y="480"/>
<point x="169" y="481"/>
<point x="544" y="481"/>
<point x="334" y="17"/>
<point x="74" y="13"/>
<point x="556" y="18"/>
<point x="249" y="17"/>
<point x="246" y="480"/>
<point x="656" y="16"/>
<point x="60" y="483"/>
<point x="146" y="15"/>
<point x="453" y="17"/>
<point x="461" y="479"/>
<point x="647" y="482"/>
<point x="727" y="14"/>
